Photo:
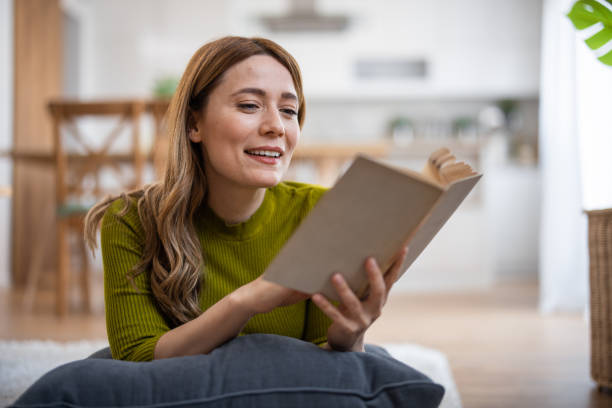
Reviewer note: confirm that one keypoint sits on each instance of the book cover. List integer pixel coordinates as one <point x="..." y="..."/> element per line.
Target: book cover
<point x="372" y="210"/>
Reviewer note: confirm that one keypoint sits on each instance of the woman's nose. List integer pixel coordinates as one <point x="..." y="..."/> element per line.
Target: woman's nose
<point x="272" y="124"/>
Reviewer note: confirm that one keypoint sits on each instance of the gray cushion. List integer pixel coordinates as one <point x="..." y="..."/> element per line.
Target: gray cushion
<point x="259" y="370"/>
<point x="102" y="353"/>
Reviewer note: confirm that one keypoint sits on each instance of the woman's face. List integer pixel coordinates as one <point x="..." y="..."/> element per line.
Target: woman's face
<point x="248" y="128"/>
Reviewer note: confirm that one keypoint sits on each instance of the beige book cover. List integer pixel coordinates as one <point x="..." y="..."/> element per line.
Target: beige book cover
<point x="373" y="209"/>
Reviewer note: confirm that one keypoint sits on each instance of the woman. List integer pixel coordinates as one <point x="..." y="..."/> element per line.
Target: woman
<point x="183" y="257"/>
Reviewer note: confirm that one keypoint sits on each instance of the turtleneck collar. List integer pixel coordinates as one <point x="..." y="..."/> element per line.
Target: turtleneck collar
<point x="242" y="230"/>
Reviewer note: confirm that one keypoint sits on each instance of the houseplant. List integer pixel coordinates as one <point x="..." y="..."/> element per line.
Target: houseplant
<point x="595" y="17"/>
<point x="591" y="15"/>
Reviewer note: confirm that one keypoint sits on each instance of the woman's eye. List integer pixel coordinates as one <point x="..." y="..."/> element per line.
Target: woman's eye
<point x="247" y="106"/>
<point x="289" y="112"/>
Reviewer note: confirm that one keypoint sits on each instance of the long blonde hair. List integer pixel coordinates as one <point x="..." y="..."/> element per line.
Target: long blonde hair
<point x="172" y="254"/>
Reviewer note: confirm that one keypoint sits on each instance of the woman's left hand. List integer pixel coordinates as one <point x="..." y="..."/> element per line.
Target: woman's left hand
<point x="353" y="317"/>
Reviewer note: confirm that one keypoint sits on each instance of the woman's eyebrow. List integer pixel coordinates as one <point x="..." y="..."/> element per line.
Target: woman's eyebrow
<point x="262" y="93"/>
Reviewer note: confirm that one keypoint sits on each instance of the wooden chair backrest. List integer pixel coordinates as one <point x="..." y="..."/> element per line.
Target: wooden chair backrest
<point x="72" y="169"/>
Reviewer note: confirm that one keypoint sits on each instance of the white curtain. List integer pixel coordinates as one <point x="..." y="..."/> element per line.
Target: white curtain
<point x="563" y="239"/>
<point x="594" y="107"/>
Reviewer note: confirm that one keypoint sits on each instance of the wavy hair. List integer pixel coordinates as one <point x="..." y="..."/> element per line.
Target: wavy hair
<point x="172" y="254"/>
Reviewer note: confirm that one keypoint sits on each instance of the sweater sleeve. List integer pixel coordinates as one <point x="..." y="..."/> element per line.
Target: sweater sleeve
<point x="133" y="322"/>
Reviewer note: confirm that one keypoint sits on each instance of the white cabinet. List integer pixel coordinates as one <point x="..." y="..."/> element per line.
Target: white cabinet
<point x="493" y="236"/>
<point x="458" y="258"/>
<point x="512" y="213"/>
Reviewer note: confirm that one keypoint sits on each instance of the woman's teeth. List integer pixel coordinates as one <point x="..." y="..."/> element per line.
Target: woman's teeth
<point x="265" y="153"/>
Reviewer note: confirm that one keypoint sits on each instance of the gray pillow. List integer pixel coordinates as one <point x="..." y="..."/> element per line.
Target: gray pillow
<point x="258" y="370"/>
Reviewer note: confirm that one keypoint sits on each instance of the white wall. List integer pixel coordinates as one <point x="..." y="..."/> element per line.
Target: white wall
<point x="6" y="132"/>
<point x="129" y="44"/>
<point x="475" y="47"/>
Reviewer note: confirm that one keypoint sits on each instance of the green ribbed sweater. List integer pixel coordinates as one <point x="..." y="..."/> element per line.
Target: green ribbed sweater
<point x="233" y="256"/>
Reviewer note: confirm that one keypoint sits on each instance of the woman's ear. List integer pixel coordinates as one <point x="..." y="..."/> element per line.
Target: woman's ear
<point x="193" y="128"/>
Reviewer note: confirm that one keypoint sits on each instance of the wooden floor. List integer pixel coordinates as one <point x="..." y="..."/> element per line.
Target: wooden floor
<point x="503" y="353"/>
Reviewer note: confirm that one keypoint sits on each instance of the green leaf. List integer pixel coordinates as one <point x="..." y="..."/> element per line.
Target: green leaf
<point x="586" y="13"/>
<point x="607" y="58"/>
<point x="165" y="87"/>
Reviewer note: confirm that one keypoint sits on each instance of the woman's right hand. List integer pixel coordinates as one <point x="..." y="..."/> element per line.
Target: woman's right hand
<point x="262" y="296"/>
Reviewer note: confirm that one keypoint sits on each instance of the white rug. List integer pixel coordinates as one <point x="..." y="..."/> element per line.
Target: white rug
<point x="433" y="364"/>
<point x="23" y="362"/>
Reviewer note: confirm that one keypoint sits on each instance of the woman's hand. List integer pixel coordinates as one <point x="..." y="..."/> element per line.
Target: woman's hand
<point x="353" y="317"/>
<point x="262" y="296"/>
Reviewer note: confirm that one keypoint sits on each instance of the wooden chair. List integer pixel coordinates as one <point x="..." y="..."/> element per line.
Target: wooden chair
<point x="79" y="164"/>
<point x="159" y="152"/>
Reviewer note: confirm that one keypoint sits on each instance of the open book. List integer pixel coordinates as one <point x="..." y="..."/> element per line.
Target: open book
<point x="372" y="210"/>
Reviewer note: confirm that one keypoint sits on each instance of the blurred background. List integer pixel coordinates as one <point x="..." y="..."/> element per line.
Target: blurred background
<point x="395" y="79"/>
<point x="507" y="85"/>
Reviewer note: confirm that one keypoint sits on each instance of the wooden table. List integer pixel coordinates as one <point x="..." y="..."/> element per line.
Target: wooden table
<point x="329" y="158"/>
